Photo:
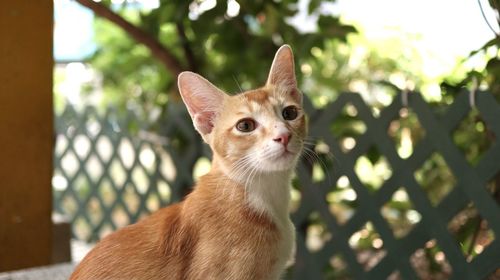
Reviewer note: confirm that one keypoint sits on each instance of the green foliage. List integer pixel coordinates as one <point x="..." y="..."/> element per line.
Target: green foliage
<point x="485" y="78"/>
<point x="130" y="72"/>
<point x="233" y="50"/>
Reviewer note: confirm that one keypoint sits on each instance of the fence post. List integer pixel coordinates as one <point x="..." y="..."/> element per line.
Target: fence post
<point x="26" y="133"/>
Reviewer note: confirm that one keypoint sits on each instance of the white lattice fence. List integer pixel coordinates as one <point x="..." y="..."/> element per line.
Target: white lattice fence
<point x="110" y="170"/>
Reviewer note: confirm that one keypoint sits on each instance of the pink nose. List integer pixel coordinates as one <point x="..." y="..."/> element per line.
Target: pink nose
<point x="283" y="138"/>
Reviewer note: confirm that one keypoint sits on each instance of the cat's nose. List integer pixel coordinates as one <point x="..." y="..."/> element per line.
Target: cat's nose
<point x="283" y="138"/>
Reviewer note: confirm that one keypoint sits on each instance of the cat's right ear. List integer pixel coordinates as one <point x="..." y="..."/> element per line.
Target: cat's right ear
<point x="282" y="73"/>
<point x="203" y="100"/>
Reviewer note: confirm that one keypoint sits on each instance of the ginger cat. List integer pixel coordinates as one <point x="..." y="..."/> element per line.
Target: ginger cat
<point x="235" y="224"/>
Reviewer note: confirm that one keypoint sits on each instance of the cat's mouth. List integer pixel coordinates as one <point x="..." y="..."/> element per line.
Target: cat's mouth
<point x="285" y="154"/>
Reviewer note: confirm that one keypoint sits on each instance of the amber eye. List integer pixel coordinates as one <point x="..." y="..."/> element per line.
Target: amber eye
<point x="289" y="113"/>
<point x="245" y="125"/>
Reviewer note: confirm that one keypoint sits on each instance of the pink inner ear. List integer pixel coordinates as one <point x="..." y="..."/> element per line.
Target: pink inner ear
<point x="204" y="122"/>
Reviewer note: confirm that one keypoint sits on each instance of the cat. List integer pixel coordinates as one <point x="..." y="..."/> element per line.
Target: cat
<point x="235" y="223"/>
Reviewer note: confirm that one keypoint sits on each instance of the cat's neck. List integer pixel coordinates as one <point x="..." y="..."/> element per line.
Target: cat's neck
<point x="267" y="193"/>
<point x="270" y="193"/>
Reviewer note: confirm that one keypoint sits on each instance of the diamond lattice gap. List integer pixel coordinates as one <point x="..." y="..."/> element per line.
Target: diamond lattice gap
<point x="317" y="233"/>
<point x="107" y="193"/>
<point x="119" y="217"/>
<point x="396" y="275"/>
<point x="70" y="164"/>
<point x="473" y="137"/>
<point x="153" y="202"/>
<point x="105" y="231"/>
<point x="147" y="158"/>
<point x="140" y="179"/>
<point x="117" y="173"/>
<point x="61" y="145"/>
<point x="342" y="200"/>
<point x="82" y="188"/>
<point x="82" y="229"/>
<point x="164" y="192"/>
<point x="167" y="167"/>
<point x="126" y="152"/>
<point x="337" y="268"/>
<point x="70" y="205"/>
<point x="201" y="167"/>
<point x="406" y="132"/>
<point x="436" y="178"/>
<point x="373" y="169"/>
<point x="92" y="124"/>
<point x="295" y="196"/>
<point x="471" y="232"/>
<point x="430" y="262"/>
<point x="321" y="159"/>
<point x="131" y="199"/>
<point x="59" y="182"/>
<point x="400" y="213"/>
<point x="94" y="168"/>
<point x="81" y="144"/>
<point x="94" y="211"/>
<point x="104" y="148"/>
<point x="368" y="246"/>
<point x="347" y="127"/>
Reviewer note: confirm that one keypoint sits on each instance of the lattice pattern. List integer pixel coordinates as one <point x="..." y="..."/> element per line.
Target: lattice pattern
<point x="109" y="171"/>
<point x="371" y="243"/>
<point x="371" y="207"/>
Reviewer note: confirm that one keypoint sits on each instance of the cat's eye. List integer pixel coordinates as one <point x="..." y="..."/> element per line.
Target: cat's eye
<point x="246" y="125"/>
<point x="289" y="113"/>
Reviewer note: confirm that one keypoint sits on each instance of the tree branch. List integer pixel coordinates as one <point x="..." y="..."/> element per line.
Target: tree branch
<point x="156" y="48"/>
<point x="187" y="48"/>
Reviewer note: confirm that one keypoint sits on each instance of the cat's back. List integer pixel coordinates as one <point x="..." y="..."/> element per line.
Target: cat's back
<point x="137" y="251"/>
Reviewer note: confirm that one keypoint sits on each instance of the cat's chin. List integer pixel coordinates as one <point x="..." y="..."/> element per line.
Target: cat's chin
<point x="283" y="162"/>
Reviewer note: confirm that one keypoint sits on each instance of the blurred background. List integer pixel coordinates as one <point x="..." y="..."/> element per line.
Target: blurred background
<point x="400" y="178"/>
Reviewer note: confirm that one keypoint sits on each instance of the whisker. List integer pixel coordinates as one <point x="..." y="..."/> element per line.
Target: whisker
<point x="326" y="170"/>
<point x="237" y="83"/>
<point x="238" y="169"/>
<point x="308" y="143"/>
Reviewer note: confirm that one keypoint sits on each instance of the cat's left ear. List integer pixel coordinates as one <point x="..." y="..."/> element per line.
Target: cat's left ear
<point x="282" y="73"/>
<point x="203" y="101"/>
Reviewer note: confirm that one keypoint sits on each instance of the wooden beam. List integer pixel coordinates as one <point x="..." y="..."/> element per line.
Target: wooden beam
<point x="26" y="133"/>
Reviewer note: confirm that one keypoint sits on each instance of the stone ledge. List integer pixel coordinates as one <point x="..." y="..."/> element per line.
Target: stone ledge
<point x="53" y="272"/>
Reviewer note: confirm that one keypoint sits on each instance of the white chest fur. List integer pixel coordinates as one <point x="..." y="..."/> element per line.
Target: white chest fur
<point x="269" y="194"/>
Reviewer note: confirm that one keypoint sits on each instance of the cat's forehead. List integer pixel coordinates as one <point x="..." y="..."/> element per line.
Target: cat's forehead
<point x="258" y="95"/>
<point x="265" y="101"/>
<point x="263" y="97"/>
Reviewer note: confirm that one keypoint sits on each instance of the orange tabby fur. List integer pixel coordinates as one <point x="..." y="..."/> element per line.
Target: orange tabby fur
<point x="235" y="224"/>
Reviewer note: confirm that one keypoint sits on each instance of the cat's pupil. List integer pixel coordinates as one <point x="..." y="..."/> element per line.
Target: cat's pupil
<point x="245" y="125"/>
<point x="290" y="113"/>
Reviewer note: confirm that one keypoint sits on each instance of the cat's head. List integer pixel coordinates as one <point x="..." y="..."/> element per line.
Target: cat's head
<point x="260" y="130"/>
